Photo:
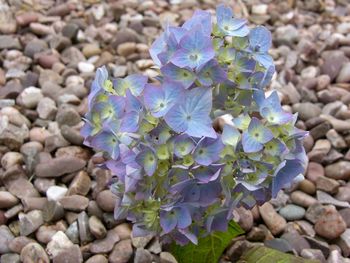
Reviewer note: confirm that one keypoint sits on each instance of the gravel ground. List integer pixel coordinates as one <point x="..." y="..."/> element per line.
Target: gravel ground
<point x="54" y="203"/>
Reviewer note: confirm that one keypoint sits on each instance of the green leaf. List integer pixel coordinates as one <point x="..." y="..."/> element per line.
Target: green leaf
<point x="209" y="249"/>
<point x="267" y="255"/>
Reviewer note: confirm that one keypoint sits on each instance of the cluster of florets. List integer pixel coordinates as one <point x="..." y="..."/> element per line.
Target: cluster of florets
<point x="175" y="175"/>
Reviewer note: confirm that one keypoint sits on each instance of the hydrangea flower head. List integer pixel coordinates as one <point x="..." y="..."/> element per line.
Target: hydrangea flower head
<point x="174" y="174"/>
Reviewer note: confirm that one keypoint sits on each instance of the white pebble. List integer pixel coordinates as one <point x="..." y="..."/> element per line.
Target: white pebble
<point x="85" y="67"/>
<point x="55" y="193"/>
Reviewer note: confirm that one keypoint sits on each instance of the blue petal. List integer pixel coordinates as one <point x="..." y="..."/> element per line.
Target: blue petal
<point x="135" y="83"/>
<point x="148" y="160"/>
<point x="130" y="122"/>
<point x="260" y="39"/>
<point x="201" y="18"/>
<point x="250" y="144"/>
<point x="174" y="73"/>
<point x="230" y="135"/>
<point x="208" y="151"/>
<point x="168" y="221"/>
<point x="106" y="141"/>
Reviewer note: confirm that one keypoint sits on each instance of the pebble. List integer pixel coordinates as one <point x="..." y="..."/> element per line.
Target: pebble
<point x="34" y="253"/>
<point x="344" y="74"/>
<point x="126" y="49"/>
<point x="274" y="221"/>
<point x="55" y="193"/>
<point x="333" y="62"/>
<point x="18" y="243"/>
<point x="328" y="185"/>
<point x="90" y="50"/>
<point x="84" y="231"/>
<point x="121" y="252"/>
<point x="74" y="203"/>
<point x="59" y="166"/>
<point x="307" y="110"/>
<point x="106" y="244"/>
<point x="292" y="212"/>
<point x="314" y="171"/>
<point x="59" y="242"/>
<point x="10" y="258"/>
<point x="97" y="259"/>
<point x="96" y="227"/>
<point x="336" y="257"/>
<point x="307" y="187"/>
<point x="7" y="200"/>
<point x="302" y="199"/>
<point x="30" y="222"/>
<point x="71" y="255"/>
<point x="330" y="225"/>
<point x="47" y="109"/>
<point x="80" y="185"/>
<point x="123" y="230"/>
<point x="338" y="171"/>
<point x="6" y="237"/>
<point x="106" y="200"/>
<point x="53" y="211"/>
<point x="310" y="253"/>
<point x="166" y="257"/>
<point x="142" y="256"/>
<point x="245" y="218"/>
<point x="85" y="67"/>
<point x="325" y="198"/>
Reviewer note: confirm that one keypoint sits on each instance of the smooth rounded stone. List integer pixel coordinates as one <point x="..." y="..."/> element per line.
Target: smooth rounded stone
<point x="39" y="134"/>
<point x="166" y="257"/>
<point x="330" y="224"/>
<point x="30" y="97"/>
<point x="59" y="242"/>
<point x="72" y="56"/>
<point x="328" y="185"/>
<point x="72" y="232"/>
<point x="155" y="247"/>
<point x="45" y="233"/>
<point x="126" y="49"/>
<point x="6" y="237"/>
<point x="338" y="125"/>
<point x="292" y="212"/>
<point x="67" y="115"/>
<point x="47" y="109"/>
<point x="10" y="258"/>
<point x="14" y="211"/>
<point x="123" y="231"/>
<point x="320" y="150"/>
<point x="333" y="62"/>
<point x="80" y="185"/>
<point x="142" y="256"/>
<point x="106" y="200"/>
<point x="24" y="19"/>
<point x="121" y="252"/>
<point x="7" y="200"/>
<point x="279" y="244"/>
<point x="286" y="35"/>
<point x="338" y="171"/>
<point x="71" y="255"/>
<point x="325" y="198"/>
<point x="320" y="130"/>
<point x="344" y="242"/>
<point x="245" y="218"/>
<point x="55" y="141"/>
<point x="142" y="241"/>
<point x="272" y="219"/>
<point x="86" y="67"/>
<point x="18" y="243"/>
<point x="30" y="222"/>
<point x="296" y="241"/>
<point x="302" y="199"/>
<point x="323" y="82"/>
<point x="55" y="193"/>
<point x="43" y="184"/>
<point x="72" y="135"/>
<point x="70" y="30"/>
<point x="74" y="203"/>
<point x="336" y="140"/>
<point x="310" y="253"/>
<point x="309" y="72"/>
<point x="59" y="166"/>
<point x="34" y="253"/>
<point x="98" y="259"/>
<point x="53" y="211"/>
<point x="344" y="74"/>
<point x="307" y="110"/>
<point x="307" y="187"/>
<point x="94" y="210"/>
<point x="314" y="170"/>
<point x="91" y="49"/>
<point x="314" y="212"/>
<point x="35" y="46"/>
<point x="10" y="159"/>
<point x="34" y="203"/>
<point x="97" y="228"/>
<point x="106" y="244"/>
<point x="256" y="234"/>
<point x="343" y="193"/>
<point x="336" y="257"/>
<point x="318" y="243"/>
<point x="84" y="231"/>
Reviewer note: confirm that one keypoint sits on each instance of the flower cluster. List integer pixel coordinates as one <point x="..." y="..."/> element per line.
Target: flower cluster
<point x="174" y="174"/>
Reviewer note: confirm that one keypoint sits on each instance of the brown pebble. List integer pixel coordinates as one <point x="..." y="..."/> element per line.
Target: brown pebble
<point x="74" y="203"/>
